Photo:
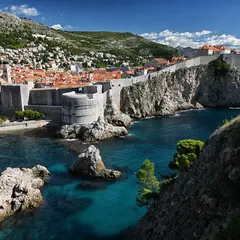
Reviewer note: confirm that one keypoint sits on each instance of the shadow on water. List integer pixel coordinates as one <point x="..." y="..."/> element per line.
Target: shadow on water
<point x="32" y="225"/>
<point x="45" y="132"/>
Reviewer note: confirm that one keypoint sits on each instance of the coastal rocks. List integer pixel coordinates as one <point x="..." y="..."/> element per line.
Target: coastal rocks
<point x="114" y="116"/>
<point x="90" y="164"/>
<point x="96" y="131"/>
<point x="69" y="131"/>
<point x="19" y="189"/>
<point x="204" y="202"/>
<point x="101" y="130"/>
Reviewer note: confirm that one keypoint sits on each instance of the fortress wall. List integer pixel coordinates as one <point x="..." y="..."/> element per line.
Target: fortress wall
<point x="25" y="94"/>
<point x="11" y="98"/>
<point x="116" y="86"/>
<point x="105" y="86"/>
<point x="92" y="89"/>
<point x="169" y="69"/>
<point x="50" y="97"/>
<point x="207" y="59"/>
<point x="53" y="113"/>
<point x="233" y="60"/>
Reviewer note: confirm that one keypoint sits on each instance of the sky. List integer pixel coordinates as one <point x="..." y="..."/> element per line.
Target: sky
<point x="171" y="22"/>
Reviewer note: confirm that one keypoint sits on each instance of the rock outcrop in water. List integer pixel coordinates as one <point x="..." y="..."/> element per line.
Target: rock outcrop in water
<point x="90" y="164"/>
<point x="19" y="189"/>
<point x="204" y="203"/>
<point x="93" y="132"/>
<point x="184" y="89"/>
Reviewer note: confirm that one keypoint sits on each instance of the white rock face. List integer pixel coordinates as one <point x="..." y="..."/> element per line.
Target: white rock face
<point x="114" y="116"/>
<point x="163" y="95"/>
<point x="90" y="164"/>
<point x="101" y="130"/>
<point x="93" y="132"/>
<point x="19" y="189"/>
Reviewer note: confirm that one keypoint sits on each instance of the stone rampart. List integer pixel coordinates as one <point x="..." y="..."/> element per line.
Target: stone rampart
<point x="53" y="113"/>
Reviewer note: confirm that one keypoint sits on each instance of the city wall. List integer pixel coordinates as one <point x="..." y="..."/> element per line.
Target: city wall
<point x="49" y="97"/>
<point x="83" y="104"/>
<point x="13" y="98"/>
<point x="231" y="59"/>
<point x="118" y="84"/>
<point x="53" y="113"/>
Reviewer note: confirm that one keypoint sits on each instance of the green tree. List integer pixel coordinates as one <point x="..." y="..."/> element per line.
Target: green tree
<point x="187" y="151"/>
<point x="29" y="114"/>
<point x="149" y="184"/>
<point x="221" y="68"/>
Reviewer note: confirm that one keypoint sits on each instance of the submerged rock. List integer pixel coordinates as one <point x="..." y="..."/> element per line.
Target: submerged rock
<point x="90" y="164"/>
<point x="92" y="186"/>
<point x="19" y="189"/>
<point x="204" y="202"/>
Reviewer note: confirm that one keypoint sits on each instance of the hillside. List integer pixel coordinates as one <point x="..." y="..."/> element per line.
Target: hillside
<point x="203" y="203"/>
<point x="17" y="33"/>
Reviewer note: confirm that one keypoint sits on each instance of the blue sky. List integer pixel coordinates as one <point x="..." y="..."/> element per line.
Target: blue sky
<point x="220" y="18"/>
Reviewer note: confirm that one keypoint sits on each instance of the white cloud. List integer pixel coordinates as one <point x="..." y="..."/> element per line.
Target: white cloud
<point x="22" y="10"/>
<point x="68" y="27"/>
<point x="57" y="26"/>
<point x="60" y="27"/>
<point x="150" y="35"/>
<point x="43" y="19"/>
<point x="193" y="39"/>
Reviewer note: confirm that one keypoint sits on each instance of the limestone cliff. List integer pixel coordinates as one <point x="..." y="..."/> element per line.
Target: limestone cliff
<point x="204" y="203"/>
<point x="184" y="89"/>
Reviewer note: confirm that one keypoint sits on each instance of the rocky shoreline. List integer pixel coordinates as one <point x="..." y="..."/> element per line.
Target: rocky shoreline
<point x="203" y="202"/>
<point x="96" y="131"/>
<point x="20" y="189"/>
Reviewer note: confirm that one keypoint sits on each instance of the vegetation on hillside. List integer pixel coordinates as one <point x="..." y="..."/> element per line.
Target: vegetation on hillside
<point x="18" y="33"/>
<point x="187" y="152"/>
<point x="220" y="68"/>
<point x="148" y="182"/>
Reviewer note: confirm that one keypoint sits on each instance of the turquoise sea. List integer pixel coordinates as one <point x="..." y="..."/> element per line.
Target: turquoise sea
<point x="105" y="209"/>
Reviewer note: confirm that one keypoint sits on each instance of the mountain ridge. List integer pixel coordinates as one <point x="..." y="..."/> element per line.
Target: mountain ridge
<point x="19" y="33"/>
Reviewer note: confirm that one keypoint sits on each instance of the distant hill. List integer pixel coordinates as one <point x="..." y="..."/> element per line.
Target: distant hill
<point x="187" y="52"/>
<point x="19" y="33"/>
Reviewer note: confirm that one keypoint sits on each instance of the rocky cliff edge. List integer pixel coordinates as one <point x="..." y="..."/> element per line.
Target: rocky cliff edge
<point x="204" y="203"/>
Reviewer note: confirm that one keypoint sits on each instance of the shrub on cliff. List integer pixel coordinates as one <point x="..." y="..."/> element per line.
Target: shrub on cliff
<point x="187" y="151"/>
<point x="29" y="114"/>
<point x="149" y="183"/>
<point x="220" y="68"/>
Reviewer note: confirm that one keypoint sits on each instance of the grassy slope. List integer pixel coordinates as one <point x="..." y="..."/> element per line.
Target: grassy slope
<point x="121" y="44"/>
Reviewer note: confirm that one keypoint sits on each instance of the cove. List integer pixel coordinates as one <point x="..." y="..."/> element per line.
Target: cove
<point x="71" y="211"/>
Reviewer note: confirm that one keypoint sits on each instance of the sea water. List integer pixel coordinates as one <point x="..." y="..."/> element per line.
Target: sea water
<point x="104" y="209"/>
